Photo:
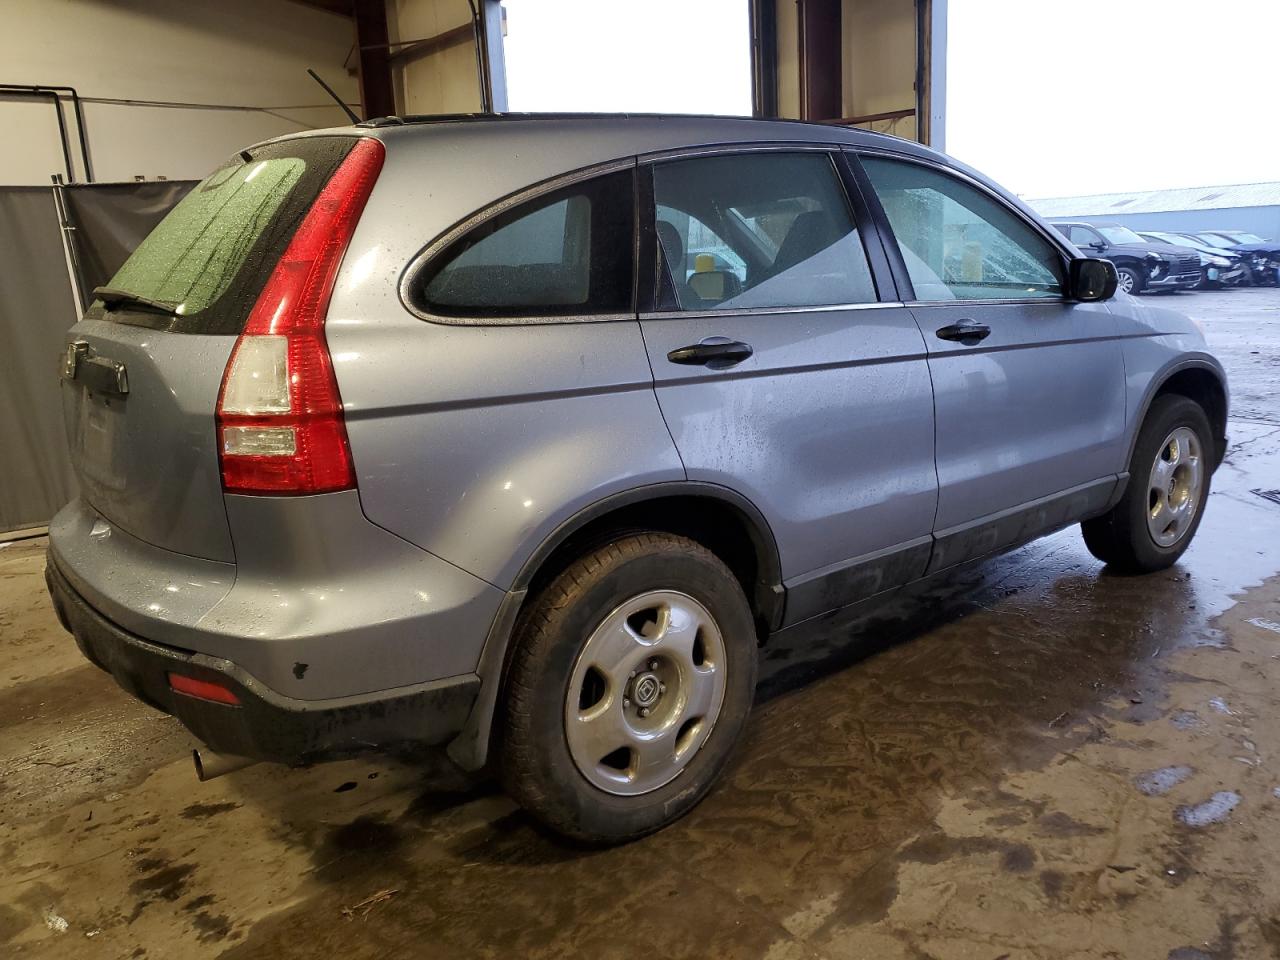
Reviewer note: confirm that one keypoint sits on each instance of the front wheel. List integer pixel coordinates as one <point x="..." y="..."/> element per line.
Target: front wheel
<point x="631" y="681"/>
<point x="1169" y="475"/>
<point x="1128" y="280"/>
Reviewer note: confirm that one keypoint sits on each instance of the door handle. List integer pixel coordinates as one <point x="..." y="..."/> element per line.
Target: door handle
<point x="967" y="332"/>
<point x="714" y="352"/>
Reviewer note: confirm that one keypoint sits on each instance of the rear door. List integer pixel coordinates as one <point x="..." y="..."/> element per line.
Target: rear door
<point x="782" y="373"/>
<point x="1028" y="385"/>
<point x="142" y="370"/>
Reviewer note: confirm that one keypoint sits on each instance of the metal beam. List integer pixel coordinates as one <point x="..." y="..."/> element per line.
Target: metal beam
<point x="874" y="117"/>
<point x="821" y="65"/>
<point x="764" y="58"/>
<point x="376" y="93"/>
<point x="495" y="61"/>
<point x="341" y="7"/>
<point x="932" y="118"/>
<point x="412" y="49"/>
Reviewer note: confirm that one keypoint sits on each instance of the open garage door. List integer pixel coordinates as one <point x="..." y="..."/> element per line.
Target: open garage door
<point x="875" y="64"/>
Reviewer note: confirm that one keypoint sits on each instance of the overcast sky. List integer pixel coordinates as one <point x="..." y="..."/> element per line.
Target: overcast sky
<point x="659" y="56"/>
<point x="1049" y="97"/>
<point x="1100" y="96"/>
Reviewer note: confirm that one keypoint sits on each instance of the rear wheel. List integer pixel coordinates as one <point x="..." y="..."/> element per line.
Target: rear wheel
<point x="1129" y="280"/>
<point x="631" y="681"/>
<point x="1169" y="475"/>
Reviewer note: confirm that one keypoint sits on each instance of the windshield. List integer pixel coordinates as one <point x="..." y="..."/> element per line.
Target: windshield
<point x="209" y="257"/>
<point x="1120" y="235"/>
<point x="1249" y="238"/>
<point x="1186" y="240"/>
<point x="1216" y="241"/>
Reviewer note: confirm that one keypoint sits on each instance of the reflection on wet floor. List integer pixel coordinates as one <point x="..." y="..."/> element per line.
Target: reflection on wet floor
<point x="1033" y="758"/>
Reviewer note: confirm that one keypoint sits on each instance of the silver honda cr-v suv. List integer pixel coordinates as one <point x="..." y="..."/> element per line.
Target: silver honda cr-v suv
<point x="521" y="434"/>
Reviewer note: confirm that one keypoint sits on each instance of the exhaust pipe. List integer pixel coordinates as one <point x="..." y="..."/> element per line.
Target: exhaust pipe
<point x="210" y="764"/>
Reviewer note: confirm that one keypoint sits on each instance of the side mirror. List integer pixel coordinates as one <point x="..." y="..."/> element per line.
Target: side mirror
<point x="1098" y="245"/>
<point x="1092" y="279"/>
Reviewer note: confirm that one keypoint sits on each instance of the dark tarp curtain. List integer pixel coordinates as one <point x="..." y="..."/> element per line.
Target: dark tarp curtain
<point x="37" y="307"/>
<point x="110" y="219"/>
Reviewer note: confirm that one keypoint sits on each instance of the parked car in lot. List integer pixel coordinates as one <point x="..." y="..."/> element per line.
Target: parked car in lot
<point x="1218" y="267"/>
<point x="1263" y="256"/>
<point x="1140" y="264"/>
<point x="425" y="430"/>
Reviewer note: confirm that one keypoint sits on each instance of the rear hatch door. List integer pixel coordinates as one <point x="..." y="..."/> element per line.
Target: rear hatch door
<point x="142" y="370"/>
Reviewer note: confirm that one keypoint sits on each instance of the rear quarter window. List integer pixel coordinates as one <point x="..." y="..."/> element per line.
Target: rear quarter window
<point x="567" y="253"/>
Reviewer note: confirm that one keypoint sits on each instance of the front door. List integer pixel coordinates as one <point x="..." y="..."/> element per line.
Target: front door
<point x="1028" y="385"/>
<point x="781" y="373"/>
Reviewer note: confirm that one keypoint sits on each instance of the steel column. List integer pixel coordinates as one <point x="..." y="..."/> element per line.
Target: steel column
<point x="377" y="97"/>
<point x="821" y="64"/>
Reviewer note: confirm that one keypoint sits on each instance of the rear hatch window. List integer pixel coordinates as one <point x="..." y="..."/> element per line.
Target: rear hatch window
<point x="201" y="269"/>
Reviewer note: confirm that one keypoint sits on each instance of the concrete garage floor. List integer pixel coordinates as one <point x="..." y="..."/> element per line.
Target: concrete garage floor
<point x="1036" y="760"/>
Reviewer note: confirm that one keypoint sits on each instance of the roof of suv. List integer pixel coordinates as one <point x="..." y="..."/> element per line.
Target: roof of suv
<point x="627" y="133"/>
<point x="445" y="168"/>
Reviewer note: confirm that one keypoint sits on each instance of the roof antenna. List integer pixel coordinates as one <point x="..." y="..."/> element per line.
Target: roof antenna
<point x="336" y="99"/>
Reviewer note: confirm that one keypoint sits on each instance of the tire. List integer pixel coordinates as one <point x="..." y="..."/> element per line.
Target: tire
<point x="1124" y="538"/>
<point x="575" y="649"/>
<point x="1130" y="280"/>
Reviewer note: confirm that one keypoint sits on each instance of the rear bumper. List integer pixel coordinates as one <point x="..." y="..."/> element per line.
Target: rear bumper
<point x="320" y="605"/>
<point x="265" y="725"/>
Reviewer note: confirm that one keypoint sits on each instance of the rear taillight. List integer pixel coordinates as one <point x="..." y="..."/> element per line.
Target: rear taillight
<point x="280" y="426"/>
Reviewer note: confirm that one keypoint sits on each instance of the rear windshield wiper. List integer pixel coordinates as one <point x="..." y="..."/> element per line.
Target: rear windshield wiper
<point x="112" y="298"/>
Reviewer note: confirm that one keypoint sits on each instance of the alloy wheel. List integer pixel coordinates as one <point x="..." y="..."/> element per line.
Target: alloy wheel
<point x="1175" y="487"/>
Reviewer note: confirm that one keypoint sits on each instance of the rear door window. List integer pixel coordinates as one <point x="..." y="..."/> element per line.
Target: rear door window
<point x="567" y="253"/>
<point x="758" y="230"/>
<point x="208" y="259"/>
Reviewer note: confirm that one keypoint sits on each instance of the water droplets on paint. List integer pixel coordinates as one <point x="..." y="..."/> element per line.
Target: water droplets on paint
<point x="1214" y="810"/>
<point x="1154" y="783"/>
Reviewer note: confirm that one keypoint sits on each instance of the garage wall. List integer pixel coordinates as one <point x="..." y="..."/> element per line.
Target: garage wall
<point x="878" y="57"/>
<point x="251" y="54"/>
<point x="443" y="80"/>
<point x="880" y="61"/>
<point x="788" y="27"/>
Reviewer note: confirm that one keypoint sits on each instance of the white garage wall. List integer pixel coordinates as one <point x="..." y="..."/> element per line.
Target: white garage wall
<point x="880" y="61"/>
<point x="247" y="53"/>
<point x="442" y="82"/>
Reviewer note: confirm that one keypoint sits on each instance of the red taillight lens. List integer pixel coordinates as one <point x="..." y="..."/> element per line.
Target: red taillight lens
<point x="203" y="689"/>
<point x="280" y="426"/>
